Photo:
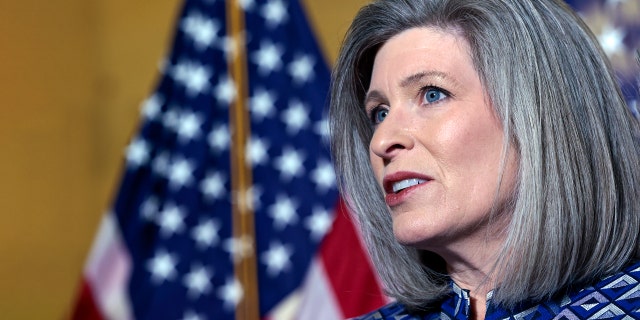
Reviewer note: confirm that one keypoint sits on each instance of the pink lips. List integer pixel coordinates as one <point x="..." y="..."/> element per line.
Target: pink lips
<point x="393" y="199"/>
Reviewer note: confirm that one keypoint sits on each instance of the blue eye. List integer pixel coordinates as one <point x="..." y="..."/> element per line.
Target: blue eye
<point x="433" y="95"/>
<point x="378" y="115"/>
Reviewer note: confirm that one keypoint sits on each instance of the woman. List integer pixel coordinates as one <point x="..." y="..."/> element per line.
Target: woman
<point x="490" y="160"/>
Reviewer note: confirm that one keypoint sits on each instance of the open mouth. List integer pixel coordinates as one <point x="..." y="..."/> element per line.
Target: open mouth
<point x="407" y="183"/>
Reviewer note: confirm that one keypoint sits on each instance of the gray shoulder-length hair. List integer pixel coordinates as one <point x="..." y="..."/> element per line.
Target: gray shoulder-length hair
<point x="576" y="208"/>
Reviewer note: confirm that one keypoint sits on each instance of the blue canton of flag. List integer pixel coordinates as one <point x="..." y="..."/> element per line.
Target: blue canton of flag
<point x="616" y="24"/>
<point x="173" y="209"/>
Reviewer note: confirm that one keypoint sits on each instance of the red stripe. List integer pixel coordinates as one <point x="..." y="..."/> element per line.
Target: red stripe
<point x="85" y="307"/>
<point x="349" y="269"/>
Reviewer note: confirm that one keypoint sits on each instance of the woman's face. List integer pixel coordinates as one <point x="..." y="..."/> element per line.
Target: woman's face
<point x="437" y="146"/>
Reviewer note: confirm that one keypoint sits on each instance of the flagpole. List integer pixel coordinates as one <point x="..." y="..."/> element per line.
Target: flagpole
<point x="243" y="216"/>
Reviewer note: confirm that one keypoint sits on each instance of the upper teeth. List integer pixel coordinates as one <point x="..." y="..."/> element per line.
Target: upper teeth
<point x="406" y="184"/>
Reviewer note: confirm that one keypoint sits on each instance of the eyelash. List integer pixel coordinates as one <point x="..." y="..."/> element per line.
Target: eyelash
<point x="422" y="92"/>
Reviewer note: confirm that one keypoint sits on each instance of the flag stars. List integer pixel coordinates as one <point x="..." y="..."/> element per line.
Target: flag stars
<point x="193" y="76"/>
<point x="162" y="267"/>
<point x="283" y="212"/>
<point x="150" y="208"/>
<point x="248" y="199"/>
<point x="171" y="220"/>
<point x="319" y="223"/>
<point x="138" y="153"/>
<point x="219" y="138"/>
<point x="277" y="258"/>
<point x="201" y="30"/>
<point x="225" y="91"/>
<point x="257" y="151"/>
<point x="290" y="164"/>
<point x="239" y="248"/>
<point x="323" y="176"/>
<point x="151" y="107"/>
<point x="268" y="58"/>
<point x="188" y="127"/>
<point x="198" y="281"/>
<point x="212" y="186"/>
<point x="301" y="69"/>
<point x="246" y="5"/>
<point x="295" y="117"/>
<point x="190" y="315"/>
<point x="274" y="12"/>
<point x="180" y="173"/>
<point x="160" y="164"/>
<point x="171" y="118"/>
<point x="206" y="233"/>
<point x="262" y="104"/>
<point x="611" y="40"/>
<point x="231" y="294"/>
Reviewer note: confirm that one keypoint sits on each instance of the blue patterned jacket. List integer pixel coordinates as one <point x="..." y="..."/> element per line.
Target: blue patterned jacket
<point x="614" y="297"/>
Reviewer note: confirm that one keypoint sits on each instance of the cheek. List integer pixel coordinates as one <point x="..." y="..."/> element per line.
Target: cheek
<point x="376" y="165"/>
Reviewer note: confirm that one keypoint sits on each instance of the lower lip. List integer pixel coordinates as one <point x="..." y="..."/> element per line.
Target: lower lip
<point x="394" y="199"/>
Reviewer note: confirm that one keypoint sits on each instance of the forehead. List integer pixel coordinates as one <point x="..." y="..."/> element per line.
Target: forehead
<point x="430" y="48"/>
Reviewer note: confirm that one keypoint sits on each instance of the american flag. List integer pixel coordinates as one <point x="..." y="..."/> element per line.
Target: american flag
<point x="167" y="249"/>
<point x="616" y="24"/>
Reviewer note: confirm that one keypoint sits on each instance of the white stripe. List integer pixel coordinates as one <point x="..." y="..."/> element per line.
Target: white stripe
<point x="287" y="308"/>
<point x="107" y="271"/>
<point x="318" y="300"/>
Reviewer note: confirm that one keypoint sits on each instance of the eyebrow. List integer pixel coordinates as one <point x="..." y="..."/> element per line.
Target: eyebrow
<point x="409" y="81"/>
<point x="416" y="77"/>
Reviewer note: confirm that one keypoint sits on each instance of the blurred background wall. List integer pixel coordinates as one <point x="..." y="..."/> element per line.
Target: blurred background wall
<point x="72" y="76"/>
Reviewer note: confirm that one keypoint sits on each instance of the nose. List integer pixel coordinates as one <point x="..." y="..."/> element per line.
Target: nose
<point x="392" y="136"/>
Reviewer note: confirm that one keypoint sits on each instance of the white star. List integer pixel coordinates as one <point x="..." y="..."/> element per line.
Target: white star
<point x="160" y="164"/>
<point x="249" y="198"/>
<point x="277" y="258"/>
<point x="290" y="164"/>
<point x="268" y="58"/>
<point x="171" y="118"/>
<point x="246" y="5"/>
<point x="206" y="233"/>
<point x="138" y="153"/>
<point x="180" y="173"/>
<point x="201" y="30"/>
<point x="162" y="267"/>
<point x="611" y="40"/>
<point x="149" y="208"/>
<point x="615" y="2"/>
<point x="274" y="12"/>
<point x="151" y="107"/>
<point x="189" y="126"/>
<point x="301" y="69"/>
<point x="190" y="315"/>
<point x="257" y="151"/>
<point x="225" y="91"/>
<point x="219" y="138"/>
<point x="296" y="117"/>
<point x="193" y="76"/>
<point x="198" y="281"/>
<point x="213" y="186"/>
<point x="321" y="128"/>
<point x="319" y="222"/>
<point x="231" y="293"/>
<point x="262" y="104"/>
<point x="171" y="220"/>
<point x="283" y="212"/>
<point x="229" y="45"/>
<point x="239" y="248"/>
<point x="323" y="176"/>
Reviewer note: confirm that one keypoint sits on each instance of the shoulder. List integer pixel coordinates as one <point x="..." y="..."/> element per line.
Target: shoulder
<point x="614" y="296"/>
<point x="398" y="311"/>
<point x="395" y="311"/>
